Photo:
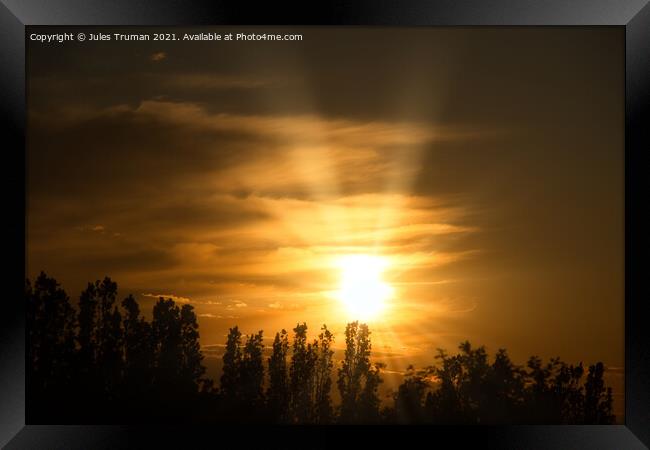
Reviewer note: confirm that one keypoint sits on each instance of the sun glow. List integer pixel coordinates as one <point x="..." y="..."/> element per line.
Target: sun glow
<point x="362" y="290"/>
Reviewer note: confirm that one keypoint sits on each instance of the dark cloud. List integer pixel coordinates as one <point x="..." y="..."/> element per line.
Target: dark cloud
<point x="117" y="261"/>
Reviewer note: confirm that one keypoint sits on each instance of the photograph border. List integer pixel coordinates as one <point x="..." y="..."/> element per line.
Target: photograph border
<point x="632" y="15"/>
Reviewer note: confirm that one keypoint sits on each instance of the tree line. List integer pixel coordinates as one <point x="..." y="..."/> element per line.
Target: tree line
<point x="103" y="362"/>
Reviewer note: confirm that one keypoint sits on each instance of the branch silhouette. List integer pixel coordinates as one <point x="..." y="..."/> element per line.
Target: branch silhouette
<point x="104" y="363"/>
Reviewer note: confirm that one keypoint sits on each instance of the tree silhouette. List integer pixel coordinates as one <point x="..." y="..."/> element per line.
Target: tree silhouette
<point x="166" y="328"/>
<point x="139" y="357"/>
<point x="231" y="371"/>
<point x="301" y="373"/>
<point x="322" y="384"/>
<point x="358" y="379"/>
<point x="409" y="400"/>
<point x="138" y="345"/>
<point x="252" y="372"/>
<point x="598" y="399"/>
<point x="109" y="336"/>
<point x="278" y="391"/>
<point x="50" y="343"/>
<point x="191" y="367"/>
<point x="470" y="390"/>
<point x="105" y="363"/>
<point x="100" y="339"/>
<point x="87" y="339"/>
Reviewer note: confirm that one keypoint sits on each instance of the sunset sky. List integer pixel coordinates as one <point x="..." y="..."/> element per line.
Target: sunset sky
<point x="481" y="168"/>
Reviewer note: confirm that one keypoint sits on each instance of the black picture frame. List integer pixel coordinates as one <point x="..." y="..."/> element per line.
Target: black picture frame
<point x="633" y="15"/>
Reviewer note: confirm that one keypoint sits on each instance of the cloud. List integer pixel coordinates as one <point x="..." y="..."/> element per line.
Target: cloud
<point x="287" y="307"/>
<point x="236" y="304"/>
<point x="300" y="129"/>
<point x="208" y="81"/>
<point x="255" y="209"/>
<point x="175" y="298"/>
<point x="310" y="155"/>
<point x="208" y="302"/>
<point x="158" y="56"/>
<point x="96" y="228"/>
<point x="97" y="257"/>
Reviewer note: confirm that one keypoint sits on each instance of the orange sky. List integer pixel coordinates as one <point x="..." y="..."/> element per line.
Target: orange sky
<point x="484" y="165"/>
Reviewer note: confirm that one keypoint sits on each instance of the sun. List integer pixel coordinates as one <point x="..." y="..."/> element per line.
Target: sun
<point x="362" y="291"/>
